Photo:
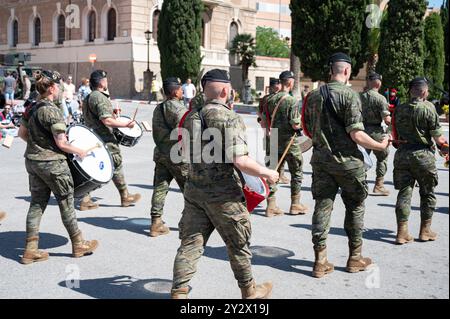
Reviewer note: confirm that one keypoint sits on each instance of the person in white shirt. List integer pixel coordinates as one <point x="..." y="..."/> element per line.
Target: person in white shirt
<point x="68" y="96"/>
<point x="189" y="92"/>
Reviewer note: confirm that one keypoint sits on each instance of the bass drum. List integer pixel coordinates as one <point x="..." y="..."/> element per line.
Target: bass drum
<point x="96" y="170"/>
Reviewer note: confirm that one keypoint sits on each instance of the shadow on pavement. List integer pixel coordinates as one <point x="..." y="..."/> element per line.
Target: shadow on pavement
<point x="51" y="202"/>
<point x="140" y="226"/>
<point x="175" y="190"/>
<point x="275" y="257"/>
<point x="12" y="244"/>
<point x="122" y="287"/>
<point x="441" y="210"/>
<point x="381" y="235"/>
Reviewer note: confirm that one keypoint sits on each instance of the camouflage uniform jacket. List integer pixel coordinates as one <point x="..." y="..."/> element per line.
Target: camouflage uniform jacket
<point x="374" y="107"/>
<point x="166" y="118"/>
<point x="333" y="146"/>
<point x="215" y="180"/>
<point x="41" y="145"/>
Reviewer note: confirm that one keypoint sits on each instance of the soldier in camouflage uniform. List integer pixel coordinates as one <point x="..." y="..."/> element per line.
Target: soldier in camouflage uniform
<point x="98" y="115"/>
<point x="264" y="121"/>
<point x="376" y="110"/>
<point x="286" y="122"/>
<point x="214" y="197"/>
<point x="333" y="119"/>
<point x="415" y="126"/>
<point x="44" y="130"/>
<point x="166" y="119"/>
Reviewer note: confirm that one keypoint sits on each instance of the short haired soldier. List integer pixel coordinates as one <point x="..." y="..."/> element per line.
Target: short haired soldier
<point x="415" y="126"/>
<point x="99" y="115"/>
<point x="375" y="110"/>
<point x="333" y="119"/>
<point x="214" y="197"/>
<point x="285" y="118"/>
<point x="166" y="118"/>
<point x="44" y="129"/>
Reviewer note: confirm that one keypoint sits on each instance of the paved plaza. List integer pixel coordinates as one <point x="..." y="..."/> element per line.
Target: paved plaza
<point x="130" y="264"/>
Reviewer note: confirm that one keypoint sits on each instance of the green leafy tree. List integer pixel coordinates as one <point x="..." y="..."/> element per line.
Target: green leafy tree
<point x="434" y="53"/>
<point x="244" y="46"/>
<point x="401" y="48"/>
<point x="268" y="43"/>
<point x="179" y="38"/>
<point x="321" y="28"/>
<point x="444" y="19"/>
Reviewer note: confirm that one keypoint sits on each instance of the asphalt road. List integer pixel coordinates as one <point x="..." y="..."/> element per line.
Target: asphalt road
<point x="130" y="264"/>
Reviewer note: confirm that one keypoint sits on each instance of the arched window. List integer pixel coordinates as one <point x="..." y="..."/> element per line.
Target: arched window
<point x="234" y="31"/>
<point x="37" y="31"/>
<point x="15" y="33"/>
<point x="112" y="24"/>
<point x="203" y="34"/>
<point x="61" y="23"/>
<point x="155" y="20"/>
<point x="92" y="26"/>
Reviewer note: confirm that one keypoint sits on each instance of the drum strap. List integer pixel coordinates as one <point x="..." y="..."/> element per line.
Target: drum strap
<point x="275" y="111"/>
<point x="163" y="114"/>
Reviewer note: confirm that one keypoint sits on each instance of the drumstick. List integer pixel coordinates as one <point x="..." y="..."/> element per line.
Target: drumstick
<point x="98" y="145"/>
<point x="135" y="113"/>
<point x="285" y="152"/>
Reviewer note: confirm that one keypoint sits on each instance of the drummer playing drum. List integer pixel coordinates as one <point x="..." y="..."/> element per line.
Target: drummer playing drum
<point x="99" y="116"/>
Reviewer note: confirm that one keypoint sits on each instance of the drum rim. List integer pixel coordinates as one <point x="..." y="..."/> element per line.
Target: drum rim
<point x="78" y="167"/>
<point x="142" y="130"/>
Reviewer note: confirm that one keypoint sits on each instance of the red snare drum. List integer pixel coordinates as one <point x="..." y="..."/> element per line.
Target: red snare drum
<point x="256" y="191"/>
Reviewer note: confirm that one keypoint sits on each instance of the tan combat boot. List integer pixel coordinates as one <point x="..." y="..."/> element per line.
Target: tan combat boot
<point x="157" y="228"/>
<point x="297" y="208"/>
<point x="81" y="247"/>
<point x="32" y="254"/>
<point x="129" y="199"/>
<point x="180" y="293"/>
<point x="88" y="204"/>
<point x="356" y="261"/>
<point x="321" y="266"/>
<point x="403" y="236"/>
<point x="379" y="189"/>
<point x="254" y="291"/>
<point x="272" y="209"/>
<point x="426" y="234"/>
<point x="2" y="216"/>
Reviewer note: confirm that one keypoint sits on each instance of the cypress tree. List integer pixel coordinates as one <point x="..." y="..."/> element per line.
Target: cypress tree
<point x="179" y="38"/>
<point x="445" y="25"/>
<point x="320" y="29"/>
<point x="434" y="53"/>
<point x="402" y="41"/>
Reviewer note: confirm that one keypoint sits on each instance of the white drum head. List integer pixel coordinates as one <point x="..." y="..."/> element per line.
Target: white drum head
<point x="98" y="163"/>
<point x="255" y="184"/>
<point x="136" y="131"/>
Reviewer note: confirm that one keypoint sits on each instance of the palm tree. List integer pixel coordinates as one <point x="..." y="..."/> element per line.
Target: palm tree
<point x="244" y="45"/>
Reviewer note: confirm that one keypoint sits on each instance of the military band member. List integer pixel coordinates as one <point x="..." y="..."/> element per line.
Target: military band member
<point x="44" y="130"/>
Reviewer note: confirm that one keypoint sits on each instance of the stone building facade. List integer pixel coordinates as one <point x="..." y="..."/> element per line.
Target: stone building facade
<point x="64" y="34"/>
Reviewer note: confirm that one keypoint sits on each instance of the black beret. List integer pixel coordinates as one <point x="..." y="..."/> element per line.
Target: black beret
<point x="374" y="76"/>
<point x="340" y="57"/>
<point x="52" y="75"/>
<point x="98" y="75"/>
<point x="169" y="82"/>
<point x="419" y="81"/>
<point x="287" y="75"/>
<point x="274" y="82"/>
<point x="216" y="75"/>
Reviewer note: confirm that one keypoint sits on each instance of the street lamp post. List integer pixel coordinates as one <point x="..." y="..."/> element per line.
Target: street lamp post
<point x="148" y="75"/>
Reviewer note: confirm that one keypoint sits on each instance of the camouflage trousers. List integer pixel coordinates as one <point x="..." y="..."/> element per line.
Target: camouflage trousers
<point x="377" y="133"/>
<point x="294" y="159"/>
<point x="199" y="220"/>
<point x="45" y="178"/>
<point x="165" y="173"/>
<point x="409" y="167"/>
<point x="325" y="186"/>
<point x="118" y="175"/>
